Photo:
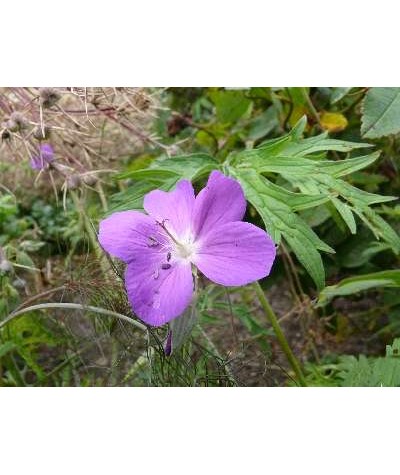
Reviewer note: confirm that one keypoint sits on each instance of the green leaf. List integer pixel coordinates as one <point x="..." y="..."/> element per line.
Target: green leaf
<point x="6" y="348"/>
<point x="318" y="181"/>
<point x="280" y="220"/>
<point x="338" y="93"/>
<point x="263" y="124"/>
<point x="372" y="372"/>
<point x="353" y="285"/>
<point x="381" y="112"/>
<point x="230" y="105"/>
<point x="182" y="327"/>
<point x="190" y="167"/>
<point x="162" y="174"/>
<point x="345" y="212"/>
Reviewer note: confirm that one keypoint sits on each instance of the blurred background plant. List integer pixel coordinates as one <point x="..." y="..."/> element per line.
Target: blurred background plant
<point x="301" y="155"/>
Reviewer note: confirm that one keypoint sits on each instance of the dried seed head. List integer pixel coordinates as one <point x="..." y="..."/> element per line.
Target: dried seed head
<point x="38" y="133"/>
<point x="73" y="182"/>
<point x="89" y="180"/>
<point x="142" y="101"/>
<point x="48" y="96"/>
<point x="16" y="123"/>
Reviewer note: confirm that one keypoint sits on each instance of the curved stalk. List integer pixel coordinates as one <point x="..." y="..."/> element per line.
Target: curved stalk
<point x="73" y="306"/>
<point x="270" y="314"/>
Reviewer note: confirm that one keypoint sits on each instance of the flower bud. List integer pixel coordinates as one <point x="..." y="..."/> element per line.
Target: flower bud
<point x="16" y="123"/>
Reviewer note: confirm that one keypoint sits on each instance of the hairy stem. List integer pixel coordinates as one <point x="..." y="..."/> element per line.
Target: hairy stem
<point x="270" y="314"/>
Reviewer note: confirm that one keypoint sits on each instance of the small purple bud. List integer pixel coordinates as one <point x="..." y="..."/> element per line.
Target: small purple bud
<point x="45" y="157"/>
<point x="168" y="344"/>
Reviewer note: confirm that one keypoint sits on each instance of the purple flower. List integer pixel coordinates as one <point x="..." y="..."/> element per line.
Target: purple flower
<point x="46" y="156"/>
<point x="182" y="230"/>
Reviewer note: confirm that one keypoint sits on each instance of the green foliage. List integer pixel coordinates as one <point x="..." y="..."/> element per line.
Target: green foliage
<point x="353" y="285"/>
<point x="230" y="105"/>
<point x="338" y="93"/>
<point x="301" y="165"/>
<point x="381" y="112"/>
<point x="162" y="173"/>
<point x="324" y="198"/>
<point x="372" y="371"/>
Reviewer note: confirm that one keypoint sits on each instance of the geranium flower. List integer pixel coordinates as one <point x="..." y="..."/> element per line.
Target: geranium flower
<point x="182" y="231"/>
<point x="46" y="156"/>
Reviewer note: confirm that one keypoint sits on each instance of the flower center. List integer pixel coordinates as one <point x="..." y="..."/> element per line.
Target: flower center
<point x="185" y="249"/>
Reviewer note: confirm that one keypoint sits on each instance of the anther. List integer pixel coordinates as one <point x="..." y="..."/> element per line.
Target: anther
<point x="152" y="242"/>
<point x="168" y="257"/>
<point x="165" y="266"/>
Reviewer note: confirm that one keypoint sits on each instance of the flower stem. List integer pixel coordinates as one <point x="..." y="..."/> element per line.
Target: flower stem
<point x="270" y="314"/>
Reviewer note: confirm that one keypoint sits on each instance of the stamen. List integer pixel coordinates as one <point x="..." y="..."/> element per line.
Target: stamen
<point x="162" y="224"/>
<point x="152" y="242"/>
<point x="168" y="257"/>
<point x="165" y="266"/>
<point x="156" y="274"/>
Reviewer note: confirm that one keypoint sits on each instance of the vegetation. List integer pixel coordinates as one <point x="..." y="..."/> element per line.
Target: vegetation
<point x="319" y="169"/>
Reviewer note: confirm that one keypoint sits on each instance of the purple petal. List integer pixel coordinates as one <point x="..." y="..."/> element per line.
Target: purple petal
<point x="175" y="207"/>
<point x="129" y="234"/>
<point x="37" y="163"/>
<point x="235" y="254"/>
<point x="221" y="201"/>
<point x="158" y="295"/>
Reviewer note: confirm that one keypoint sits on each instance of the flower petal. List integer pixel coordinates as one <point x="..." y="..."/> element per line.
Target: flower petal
<point x="235" y="254"/>
<point x="128" y="234"/>
<point x="221" y="201"/>
<point x="158" y="295"/>
<point x="174" y="206"/>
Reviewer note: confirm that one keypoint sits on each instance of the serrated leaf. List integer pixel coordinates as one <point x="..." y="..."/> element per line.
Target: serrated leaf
<point x="190" y="167"/>
<point x="294" y="159"/>
<point x="162" y="174"/>
<point x="372" y="372"/>
<point x="381" y="112"/>
<point x="345" y="212"/>
<point x="280" y="220"/>
<point x="353" y="285"/>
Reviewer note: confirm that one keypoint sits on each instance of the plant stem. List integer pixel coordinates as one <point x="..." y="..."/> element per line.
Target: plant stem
<point x="73" y="306"/>
<point x="270" y="314"/>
